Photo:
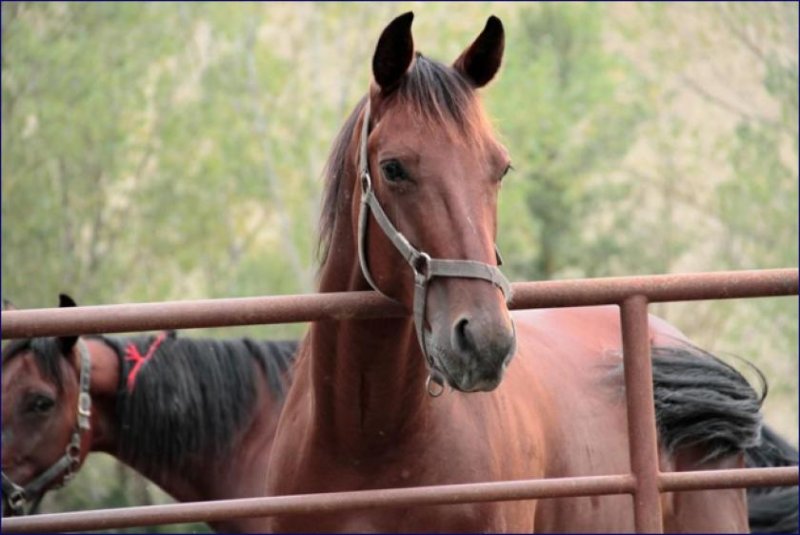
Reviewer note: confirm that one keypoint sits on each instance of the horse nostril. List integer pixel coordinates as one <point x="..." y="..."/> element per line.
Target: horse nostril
<point x="462" y="339"/>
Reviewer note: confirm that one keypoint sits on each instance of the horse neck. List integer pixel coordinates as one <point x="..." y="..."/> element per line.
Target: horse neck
<point x="238" y="475"/>
<point x="368" y="375"/>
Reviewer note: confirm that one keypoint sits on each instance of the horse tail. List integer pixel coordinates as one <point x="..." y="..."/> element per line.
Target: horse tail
<point x="772" y="509"/>
<point x="702" y="401"/>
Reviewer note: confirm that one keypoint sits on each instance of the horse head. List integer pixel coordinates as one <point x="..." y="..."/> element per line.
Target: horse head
<point x="430" y="169"/>
<point x="45" y="416"/>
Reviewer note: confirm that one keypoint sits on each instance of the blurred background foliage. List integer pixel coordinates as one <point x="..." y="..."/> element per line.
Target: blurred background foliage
<point x="166" y="151"/>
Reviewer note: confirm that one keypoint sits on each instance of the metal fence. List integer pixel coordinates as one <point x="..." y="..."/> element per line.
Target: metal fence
<point x="633" y="294"/>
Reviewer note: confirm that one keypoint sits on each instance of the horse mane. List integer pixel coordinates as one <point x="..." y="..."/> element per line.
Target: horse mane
<point x="435" y="93"/>
<point x="192" y="398"/>
<point x="702" y="401"/>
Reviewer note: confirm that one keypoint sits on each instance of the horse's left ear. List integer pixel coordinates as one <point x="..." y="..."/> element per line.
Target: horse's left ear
<point x="66" y="343"/>
<point x="481" y="60"/>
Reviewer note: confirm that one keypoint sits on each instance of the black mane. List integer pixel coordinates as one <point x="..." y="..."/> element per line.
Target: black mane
<point x="436" y="92"/>
<point x="192" y="398"/>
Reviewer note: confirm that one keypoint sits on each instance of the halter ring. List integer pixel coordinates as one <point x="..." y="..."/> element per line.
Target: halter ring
<point x="16" y="500"/>
<point x="433" y="392"/>
<point x="366" y="184"/>
<point x="422" y="267"/>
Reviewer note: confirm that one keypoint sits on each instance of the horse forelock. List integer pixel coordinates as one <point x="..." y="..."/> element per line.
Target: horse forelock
<point x="46" y="354"/>
<point x="440" y="95"/>
<point x="434" y="93"/>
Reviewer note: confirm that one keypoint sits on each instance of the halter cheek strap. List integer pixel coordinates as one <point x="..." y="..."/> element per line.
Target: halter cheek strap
<point x="16" y="496"/>
<point x="425" y="268"/>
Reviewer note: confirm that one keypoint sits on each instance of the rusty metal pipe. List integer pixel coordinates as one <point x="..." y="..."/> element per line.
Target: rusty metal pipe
<point x="642" y="437"/>
<point x="345" y="305"/>
<point x="300" y="504"/>
<point x="197" y="314"/>
<point x="323" y="502"/>
<point x="728" y="479"/>
<point x="657" y="288"/>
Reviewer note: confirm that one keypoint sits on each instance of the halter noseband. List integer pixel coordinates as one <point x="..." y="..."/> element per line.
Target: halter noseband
<point x="425" y="268"/>
<point x="16" y="496"/>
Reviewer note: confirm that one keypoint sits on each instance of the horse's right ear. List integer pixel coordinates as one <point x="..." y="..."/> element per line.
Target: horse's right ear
<point x="394" y="52"/>
<point x="66" y="343"/>
<point x="8" y="305"/>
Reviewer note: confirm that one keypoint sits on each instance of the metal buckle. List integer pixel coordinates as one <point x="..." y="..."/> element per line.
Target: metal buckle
<point x="16" y="501"/>
<point x="84" y="410"/>
<point x="421" y="264"/>
<point x="85" y="404"/>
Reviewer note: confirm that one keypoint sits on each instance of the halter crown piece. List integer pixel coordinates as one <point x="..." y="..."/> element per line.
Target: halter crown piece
<point x="425" y="268"/>
<point x="17" y="496"/>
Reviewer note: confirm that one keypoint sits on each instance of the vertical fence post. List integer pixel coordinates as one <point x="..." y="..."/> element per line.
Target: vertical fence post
<point x="642" y="438"/>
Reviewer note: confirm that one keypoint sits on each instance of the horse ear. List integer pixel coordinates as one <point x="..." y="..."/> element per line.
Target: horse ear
<point x="394" y="52"/>
<point x="8" y="305"/>
<point x="65" y="301"/>
<point x="481" y="60"/>
<point x="66" y="343"/>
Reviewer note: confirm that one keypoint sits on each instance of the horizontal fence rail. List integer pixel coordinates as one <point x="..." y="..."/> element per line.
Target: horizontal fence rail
<point x="347" y="305"/>
<point x="633" y="294"/>
<point x="404" y="497"/>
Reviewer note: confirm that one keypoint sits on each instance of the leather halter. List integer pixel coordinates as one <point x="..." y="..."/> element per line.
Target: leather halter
<point x="17" y="496"/>
<point x="425" y="268"/>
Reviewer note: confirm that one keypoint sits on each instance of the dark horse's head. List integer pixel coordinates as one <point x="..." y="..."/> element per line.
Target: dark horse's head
<point x="42" y="443"/>
<point x="436" y="168"/>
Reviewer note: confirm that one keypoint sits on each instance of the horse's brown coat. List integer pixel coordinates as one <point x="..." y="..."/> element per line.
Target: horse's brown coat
<point x="358" y="416"/>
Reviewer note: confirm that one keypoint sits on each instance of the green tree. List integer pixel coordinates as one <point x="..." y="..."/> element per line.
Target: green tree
<point x="584" y="111"/>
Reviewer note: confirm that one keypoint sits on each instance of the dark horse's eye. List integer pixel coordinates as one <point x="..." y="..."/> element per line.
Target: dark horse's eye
<point x="393" y="171"/>
<point x="40" y="404"/>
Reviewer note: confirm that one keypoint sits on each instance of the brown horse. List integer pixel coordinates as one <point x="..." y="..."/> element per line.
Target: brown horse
<point x="195" y="416"/>
<point x="410" y="210"/>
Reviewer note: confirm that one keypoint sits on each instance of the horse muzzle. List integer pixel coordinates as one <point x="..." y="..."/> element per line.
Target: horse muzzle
<point x="474" y="352"/>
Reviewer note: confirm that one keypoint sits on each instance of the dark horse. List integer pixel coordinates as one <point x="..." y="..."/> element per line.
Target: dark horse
<point x="410" y="210"/>
<point x="196" y="416"/>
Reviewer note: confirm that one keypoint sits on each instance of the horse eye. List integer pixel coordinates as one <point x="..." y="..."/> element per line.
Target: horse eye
<point x="40" y="404"/>
<point x="393" y="171"/>
<point x="508" y="168"/>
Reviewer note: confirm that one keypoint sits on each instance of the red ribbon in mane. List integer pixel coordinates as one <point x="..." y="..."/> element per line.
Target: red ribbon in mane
<point x="132" y="354"/>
